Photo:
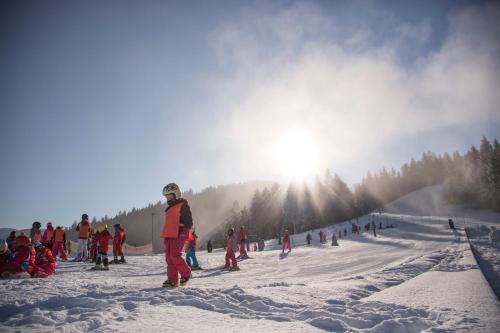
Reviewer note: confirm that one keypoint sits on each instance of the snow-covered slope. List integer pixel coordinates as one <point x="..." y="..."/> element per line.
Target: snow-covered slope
<point x="419" y="276"/>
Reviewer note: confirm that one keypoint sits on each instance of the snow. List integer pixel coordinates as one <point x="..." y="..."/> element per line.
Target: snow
<point x="419" y="276"/>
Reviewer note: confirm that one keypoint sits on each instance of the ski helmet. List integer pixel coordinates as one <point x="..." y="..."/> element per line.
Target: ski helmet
<point x="49" y="224"/>
<point x="85" y="217"/>
<point x="118" y="225"/>
<point x="37" y="225"/>
<point x="23" y="240"/>
<point x="102" y="227"/>
<point x="230" y="231"/>
<point x="172" y="188"/>
<point x="3" y="246"/>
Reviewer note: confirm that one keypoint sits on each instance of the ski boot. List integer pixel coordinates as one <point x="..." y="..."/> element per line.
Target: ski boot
<point x="115" y="261"/>
<point x="168" y="284"/>
<point x="122" y="260"/>
<point x="234" y="269"/>
<point x="98" y="265"/>
<point x="106" y="263"/>
<point x="184" y="280"/>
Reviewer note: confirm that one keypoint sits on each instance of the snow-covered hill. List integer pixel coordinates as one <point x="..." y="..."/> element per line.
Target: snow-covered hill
<point x="419" y="276"/>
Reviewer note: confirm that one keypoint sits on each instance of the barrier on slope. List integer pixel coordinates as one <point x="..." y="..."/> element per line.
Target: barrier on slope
<point x="127" y="249"/>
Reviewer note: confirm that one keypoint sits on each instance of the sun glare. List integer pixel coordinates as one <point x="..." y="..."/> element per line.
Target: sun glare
<point x="296" y="155"/>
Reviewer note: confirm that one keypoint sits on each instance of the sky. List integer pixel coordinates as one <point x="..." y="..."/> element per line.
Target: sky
<point x="103" y="103"/>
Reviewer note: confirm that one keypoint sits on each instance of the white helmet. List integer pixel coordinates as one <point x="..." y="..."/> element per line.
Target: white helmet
<point x="3" y="245"/>
<point x="172" y="188"/>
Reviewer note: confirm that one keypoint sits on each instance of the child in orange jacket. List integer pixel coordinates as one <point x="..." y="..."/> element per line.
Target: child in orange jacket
<point x="118" y="241"/>
<point x="45" y="264"/>
<point x="23" y="259"/>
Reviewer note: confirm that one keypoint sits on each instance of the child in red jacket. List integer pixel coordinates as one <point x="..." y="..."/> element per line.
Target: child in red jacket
<point x="118" y="241"/>
<point x="103" y="238"/>
<point x="230" y="248"/>
<point x="23" y="260"/>
<point x="45" y="264"/>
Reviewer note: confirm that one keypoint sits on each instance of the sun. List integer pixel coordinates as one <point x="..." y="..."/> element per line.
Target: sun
<point x="296" y="154"/>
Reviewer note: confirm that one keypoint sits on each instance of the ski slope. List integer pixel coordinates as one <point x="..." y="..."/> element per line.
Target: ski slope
<point x="419" y="276"/>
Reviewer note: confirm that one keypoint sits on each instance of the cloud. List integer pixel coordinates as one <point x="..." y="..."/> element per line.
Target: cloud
<point x="345" y="83"/>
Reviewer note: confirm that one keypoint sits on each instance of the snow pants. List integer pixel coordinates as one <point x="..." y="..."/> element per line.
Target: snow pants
<point x="59" y="248"/>
<point x="117" y="250"/>
<point x="243" y="251"/>
<point x="173" y="255"/>
<point x="191" y="258"/>
<point x="287" y="245"/>
<point x="82" y="249"/>
<point x="42" y="271"/>
<point x="230" y="257"/>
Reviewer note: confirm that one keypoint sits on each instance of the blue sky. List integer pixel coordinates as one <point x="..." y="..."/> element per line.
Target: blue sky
<point x="103" y="103"/>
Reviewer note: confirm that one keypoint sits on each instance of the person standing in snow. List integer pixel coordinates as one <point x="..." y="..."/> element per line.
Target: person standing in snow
<point x="11" y="241"/>
<point x="286" y="242"/>
<point x="320" y="236"/>
<point x="191" y="246"/>
<point x="103" y="238"/>
<point x="58" y="241"/>
<point x="84" y="230"/>
<point x="209" y="246"/>
<point x="308" y="239"/>
<point x="178" y="222"/>
<point x="374" y="228"/>
<point x="118" y="240"/>
<point x="35" y="232"/>
<point x="47" y="235"/>
<point x="230" y="249"/>
<point x="242" y="238"/>
<point x="334" y="240"/>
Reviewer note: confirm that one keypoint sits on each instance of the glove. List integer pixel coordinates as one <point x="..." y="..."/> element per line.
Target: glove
<point x="25" y="265"/>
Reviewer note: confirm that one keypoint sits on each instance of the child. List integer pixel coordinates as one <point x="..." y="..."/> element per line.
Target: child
<point x="286" y="242"/>
<point x="178" y="222"/>
<point x="118" y="241"/>
<point x="93" y="247"/>
<point x="45" y="264"/>
<point x="35" y="232"/>
<point x="23" y="260"/>
<point x="242" y="237"/>
<point x="103" y="238"/>
<point x="191" y="246"/>
<point x="58" y="241"/>
<point x="84" y="230"/>
<point x="47" y="236"/>
<point x="334" y="240"/>
<point x="209" y="246"/>
<point x="230" y="248"/>
<point x="308" y="239"/>
<point x="5" y="254"/>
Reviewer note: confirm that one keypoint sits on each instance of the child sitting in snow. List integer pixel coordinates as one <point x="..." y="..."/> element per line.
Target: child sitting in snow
<point x="23" y="260"/>
<point x="45" y="264"/>
<point x="230" y="248"/>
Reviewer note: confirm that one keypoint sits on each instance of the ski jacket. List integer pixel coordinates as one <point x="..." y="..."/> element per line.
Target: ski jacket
<point x="45" y="258"/>
<point x="35" y="235"/>
<point x="103" y="239"/>
<point x="47" y="235"/>
<point x="231" y="243"/>
<point x="84" y="229"/>
<point x="242" y="235"/>
<point x="177" y="216"/>
<point x="286" y="238"/>
<point x="11" y="243"/>
<point x="24" y="258"/>
<point x="120" y="236"/>
<point x="59" y="235"/>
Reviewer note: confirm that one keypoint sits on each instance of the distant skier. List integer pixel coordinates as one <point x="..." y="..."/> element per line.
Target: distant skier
<point x="11" y="241"/>
<point x="451" y="224"/>
<point x="209" y="246"/>
<point x="118" y="240"/>
<point x="242" y="238"/>
<point x="345" y="232"/>
<point x="103" y="238"/>
<point x="47" y="235"/>
<point x="230" y="249"/>
<point x="262" y="244"/>
<point x="380" y="225"/>
<point x="340" y="234"/>
<point x="178" y="222"/>
<point x="334" y="240"/>
<point x="45" y="263"/>
<point x="58" y="241"/>
<point x="191" y="247"/>
<point x="23" y="259"/>
<point x="84" y="230"/>
<point x="374" y="228"/>
<point x="35" y="232"/>
<point x="286" y="242"/>
<point x="308" y="239"/>
<point x="320" y="236"/>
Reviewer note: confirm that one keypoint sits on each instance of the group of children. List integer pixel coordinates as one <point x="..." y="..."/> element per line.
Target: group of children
<point x="36" y="255"/>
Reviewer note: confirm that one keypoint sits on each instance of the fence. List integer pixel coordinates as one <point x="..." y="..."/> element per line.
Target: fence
<point x="127" y="249"/>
